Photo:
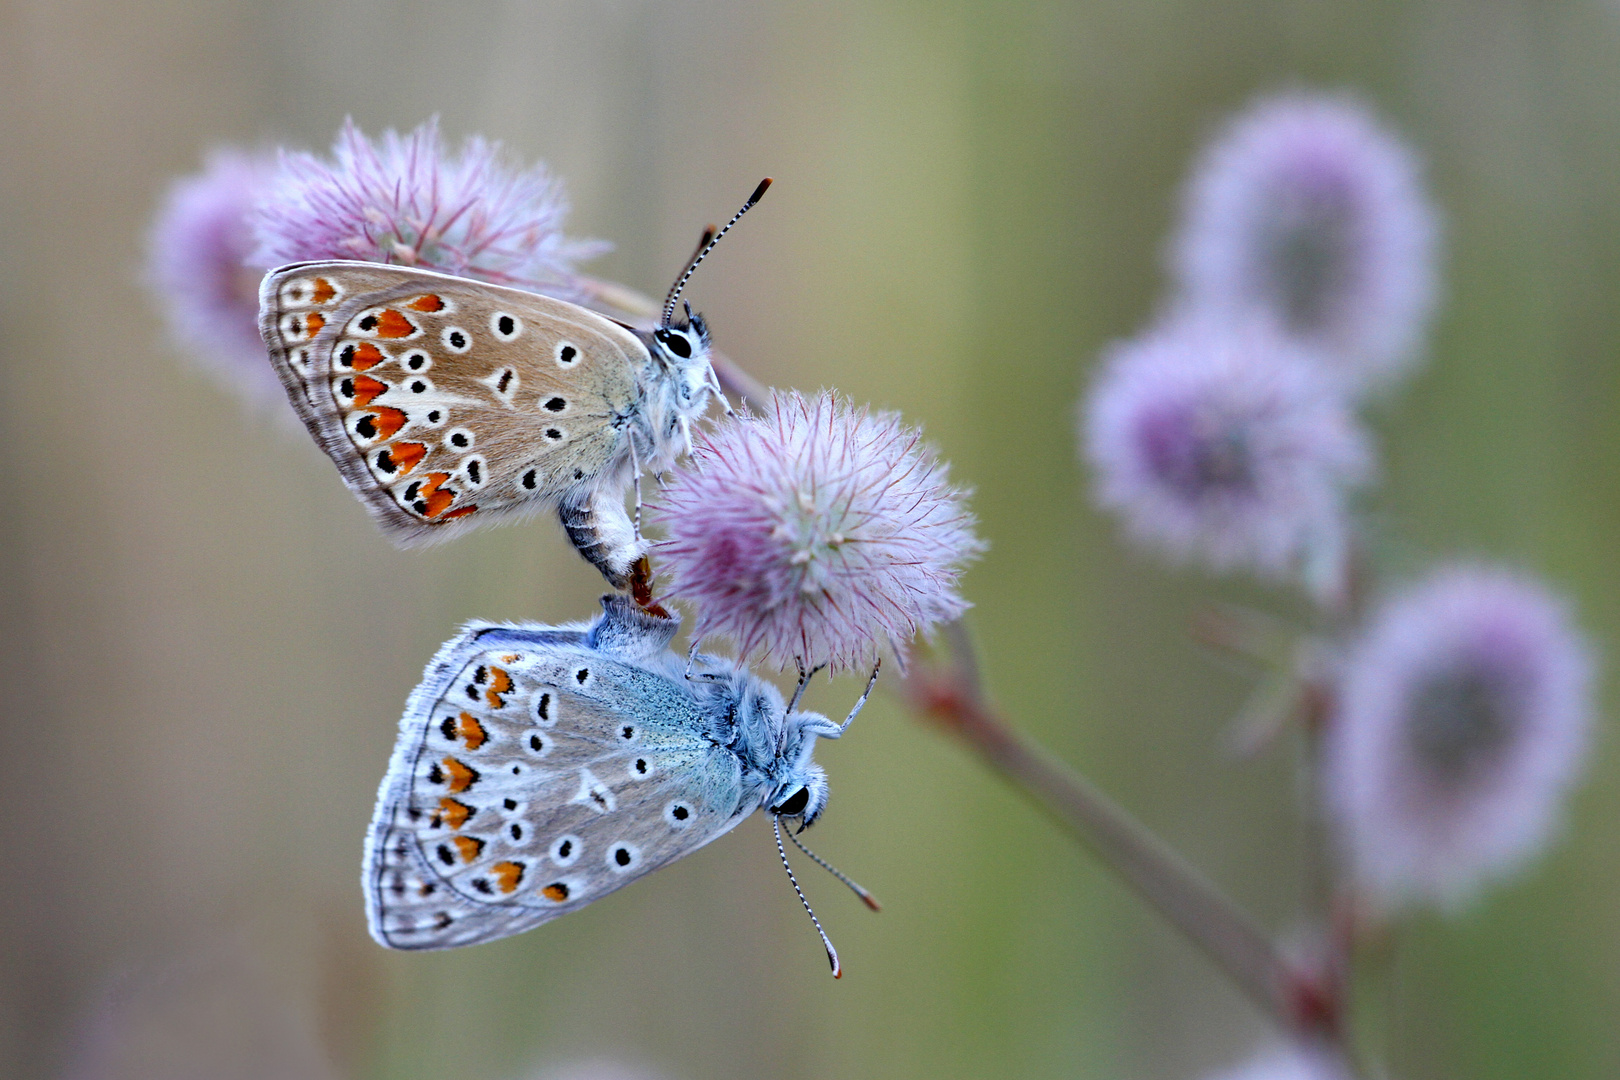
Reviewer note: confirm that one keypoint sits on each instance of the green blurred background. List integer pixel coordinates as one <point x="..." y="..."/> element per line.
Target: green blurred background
<point x="208" y="643"/>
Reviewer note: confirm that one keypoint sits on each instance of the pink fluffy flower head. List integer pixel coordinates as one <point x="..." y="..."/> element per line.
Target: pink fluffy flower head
<point x="1306" y="209"/>
<point x="815" y="533"/>
<point x="1289" y="1062"/>
<point x="405" y="199"/>
<point x="1220" y="441"/>
<point x="197" y="265"/>
<point x="1463" y="718"/>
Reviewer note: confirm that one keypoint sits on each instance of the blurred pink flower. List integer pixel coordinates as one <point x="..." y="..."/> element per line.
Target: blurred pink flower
<point x="404" y="199"/>
<point x="816" y="532"/>
<point x="1306" y="209"/>
<point x="197" y="265"/>
<point x="1219" y="441"/>
<point x="1463" y="717"/>
<point x="1288" y="1062"/>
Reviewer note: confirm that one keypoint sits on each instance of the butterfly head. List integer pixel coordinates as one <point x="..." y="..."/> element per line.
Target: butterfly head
<point x="682" y="344"/>
<point x="801" y="784"/>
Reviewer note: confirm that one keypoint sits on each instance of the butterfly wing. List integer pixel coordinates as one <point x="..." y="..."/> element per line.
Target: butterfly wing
<point x="539" y="769"/>
<point x="445" y="402"/>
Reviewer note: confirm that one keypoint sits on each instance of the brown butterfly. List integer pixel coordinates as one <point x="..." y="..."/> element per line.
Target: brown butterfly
<point x="448" y="403"/>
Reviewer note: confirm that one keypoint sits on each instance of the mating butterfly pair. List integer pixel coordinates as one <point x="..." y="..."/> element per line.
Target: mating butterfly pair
<point x="537" y="768"/>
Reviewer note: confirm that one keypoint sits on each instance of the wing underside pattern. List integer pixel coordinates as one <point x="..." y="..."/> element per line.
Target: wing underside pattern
<point x="532" y="777"/>
<point x="446" y="402"/>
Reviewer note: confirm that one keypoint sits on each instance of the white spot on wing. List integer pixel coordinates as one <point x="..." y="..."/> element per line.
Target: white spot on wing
<point x="594" y="794"/>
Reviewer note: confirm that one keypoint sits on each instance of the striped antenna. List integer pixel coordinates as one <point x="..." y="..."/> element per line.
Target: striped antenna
<point x="832" y="953"/>
<point x="703" y="252"/>
<point x="866" y="898"/>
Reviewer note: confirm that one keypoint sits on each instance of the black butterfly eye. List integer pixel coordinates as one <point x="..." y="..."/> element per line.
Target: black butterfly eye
<point x="677" y="344"/>
<point x="794" y="804"/>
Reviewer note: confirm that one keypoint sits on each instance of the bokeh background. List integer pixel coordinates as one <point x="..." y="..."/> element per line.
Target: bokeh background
<point x="207" y="644"/>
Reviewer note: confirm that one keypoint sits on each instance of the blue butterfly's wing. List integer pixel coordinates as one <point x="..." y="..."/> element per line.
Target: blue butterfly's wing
<point x="539" y="769"/>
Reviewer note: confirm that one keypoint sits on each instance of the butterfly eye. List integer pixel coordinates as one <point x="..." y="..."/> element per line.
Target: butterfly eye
<point x="794" y="804"/>
<point x="677" y="344"/>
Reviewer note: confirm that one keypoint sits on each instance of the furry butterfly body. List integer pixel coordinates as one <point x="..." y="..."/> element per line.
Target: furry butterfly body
<point x="447" y="403"/>
<point x="540" y="768"/>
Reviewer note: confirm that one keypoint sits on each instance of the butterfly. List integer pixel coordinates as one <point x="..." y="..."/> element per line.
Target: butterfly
<point x="539" y="768"/>
<point x="447" y="403"/>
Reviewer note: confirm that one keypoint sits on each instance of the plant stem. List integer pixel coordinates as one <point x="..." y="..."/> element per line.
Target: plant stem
<point x="1301" y="1001"/>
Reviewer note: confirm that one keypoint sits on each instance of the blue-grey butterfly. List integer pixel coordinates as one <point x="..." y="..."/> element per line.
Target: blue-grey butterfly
<point x="448" y="403"/>
<point x="539" y="768"/>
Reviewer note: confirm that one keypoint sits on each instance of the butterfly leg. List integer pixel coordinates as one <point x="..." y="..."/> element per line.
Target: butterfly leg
<point x="603" y="533"/>
<point x="691" y="658"/>
<point x="804" y="680"/>
<point x="635" y="473"/>
<point x="859" y="705"/>
<point x="720" y="392"/>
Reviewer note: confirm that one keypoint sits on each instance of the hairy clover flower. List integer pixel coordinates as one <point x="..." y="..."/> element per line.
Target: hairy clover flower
<point x="1220" y="441"/>
<point x="1462" y="719"/>
<point x="1306" y="210"/>
<point x="405" y="199"/>
<point x="816" y="533"/>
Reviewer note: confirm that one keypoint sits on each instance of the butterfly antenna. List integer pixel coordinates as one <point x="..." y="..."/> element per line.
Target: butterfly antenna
<point x="804" y="680"/>
<point x="861" y="704"/>
<point x="703" y="251"/>
<point x="832" y="953"/>
<point x="866" y="898"/>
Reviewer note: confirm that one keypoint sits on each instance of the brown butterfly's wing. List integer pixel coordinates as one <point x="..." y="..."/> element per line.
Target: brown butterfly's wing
<point x="448" y="403"/>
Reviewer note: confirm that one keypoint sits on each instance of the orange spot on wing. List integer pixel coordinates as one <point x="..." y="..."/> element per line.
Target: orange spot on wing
<point x="461" y="777"/>
<point x="469" y="846"/>
<point x="437" y="502"/>
<point x="499" y="683"/>
<point x="313" y="322"/>
<point x="460" y="511"/>
<point x="389" y="421"/>
<point x="323" y="291"/>
<point x="453" y="813"/>
<point x="471" y="731"/>
<point x="428" y="302"/>
<point x="391" y="324"/>
<point x="555" y="891"/>
<point x="367" y="356"/>
<point x="434" y="500"/>
<point x="511" y="658"/>
<point x="507" y="875"/>
<point x="367" y="389"/>
<point x="406" y="455"/>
